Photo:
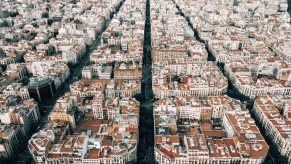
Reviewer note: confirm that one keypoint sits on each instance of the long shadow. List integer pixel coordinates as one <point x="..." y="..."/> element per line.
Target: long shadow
<point x="145" y="149"/>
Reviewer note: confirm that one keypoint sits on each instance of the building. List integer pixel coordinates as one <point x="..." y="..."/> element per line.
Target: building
<point x="65" y="108"/>
<point x="88" y="88"/>
<point x="111" y="139"/>
<point x="10" y="141"/>
<point x="268" y="111"/>
<point x="123" y="88"/>
<point x="41" y="88"/>
<point x="97" y="72"/>
<point x="18" y="118"/>
<point x="188" y="130"/>
<point x="209" y="82"/>
<point x="127" y="71"/>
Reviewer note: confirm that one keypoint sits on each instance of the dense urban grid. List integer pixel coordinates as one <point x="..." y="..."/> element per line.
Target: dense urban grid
<point x="145" y="81"/>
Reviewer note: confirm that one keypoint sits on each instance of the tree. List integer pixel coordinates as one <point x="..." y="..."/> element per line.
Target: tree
<point x="4" y="24"/>
<point x="45" y="15"/>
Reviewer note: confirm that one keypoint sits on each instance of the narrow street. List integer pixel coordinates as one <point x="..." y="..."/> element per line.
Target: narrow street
<point x="146" y="127"/>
